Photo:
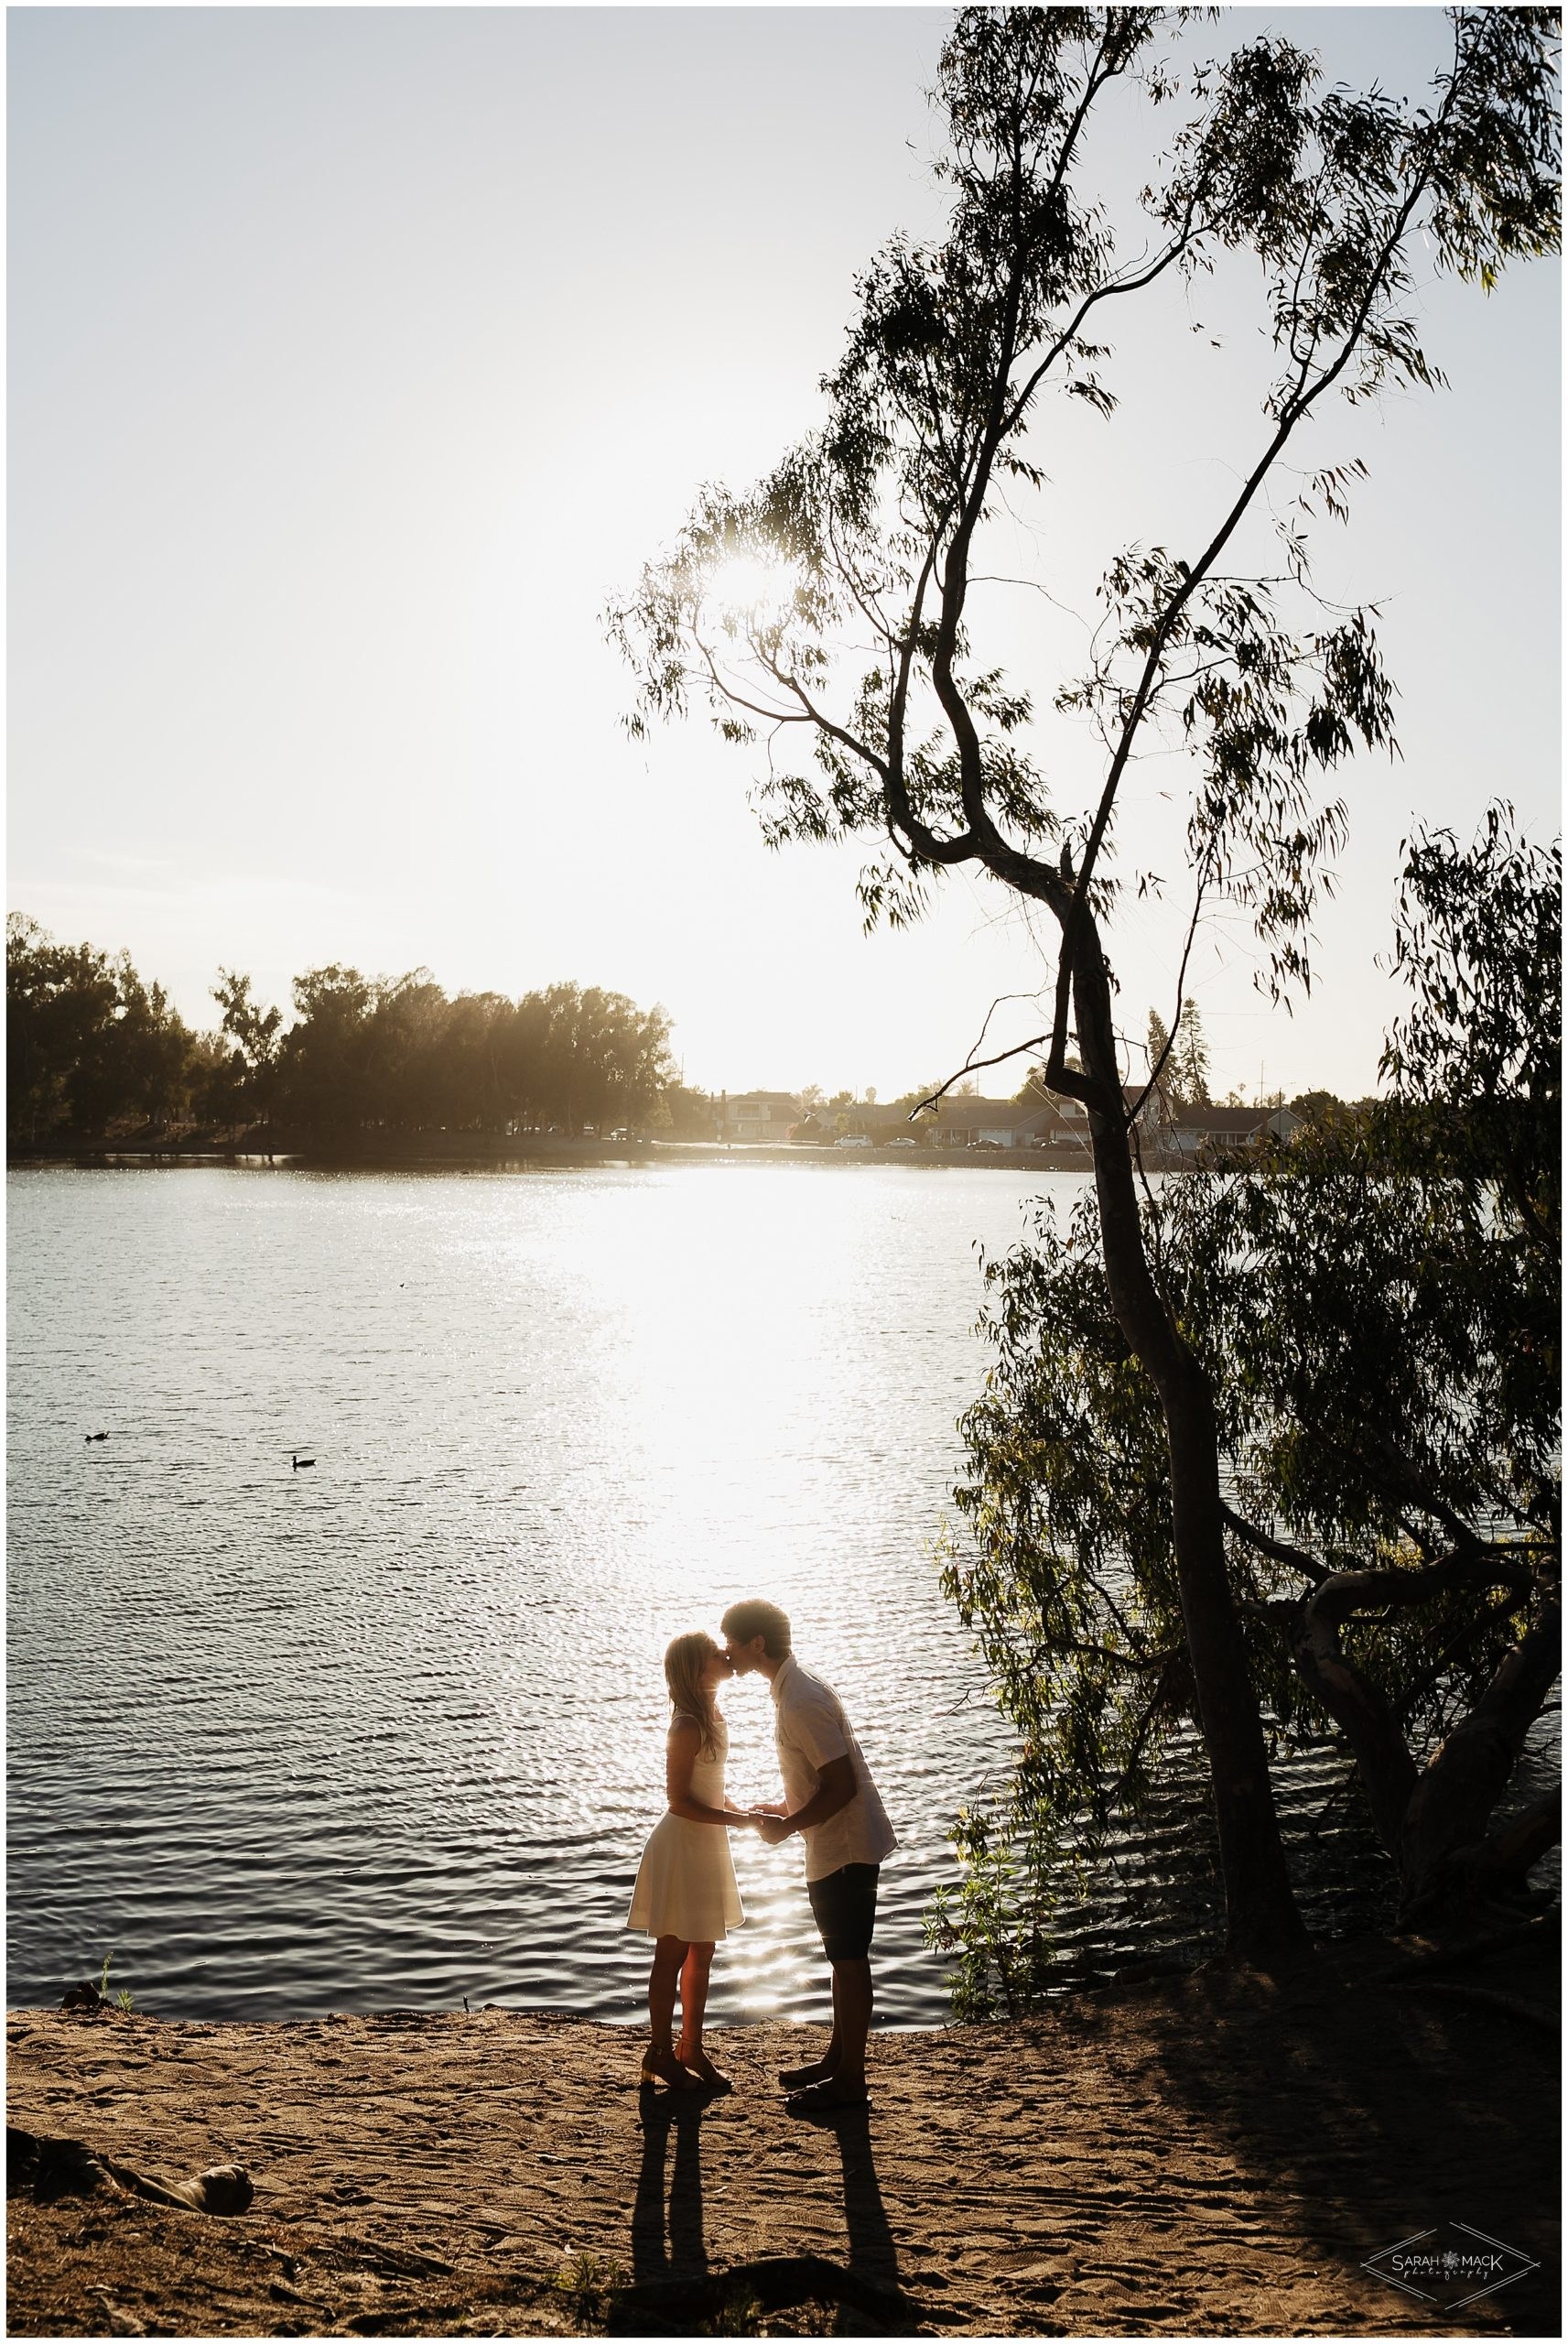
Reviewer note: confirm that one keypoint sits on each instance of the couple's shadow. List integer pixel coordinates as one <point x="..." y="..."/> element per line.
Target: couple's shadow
<point x="675" y="2248"/>
<point x="679" y="2252"/>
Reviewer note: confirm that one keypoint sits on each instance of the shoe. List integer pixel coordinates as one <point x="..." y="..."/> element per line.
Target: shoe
<point x="827" y="2098"/>
<point x="798" y="2078"/>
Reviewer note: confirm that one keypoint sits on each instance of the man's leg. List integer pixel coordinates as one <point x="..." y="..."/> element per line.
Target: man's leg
<point x="852" y="2000"/>
<point x="816" y="2071"/>
<point x="845" y="1905"/>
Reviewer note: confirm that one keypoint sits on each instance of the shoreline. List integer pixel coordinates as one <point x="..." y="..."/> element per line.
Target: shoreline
<point x="1220" y="2154"/>
<point x="438" y="1154"/>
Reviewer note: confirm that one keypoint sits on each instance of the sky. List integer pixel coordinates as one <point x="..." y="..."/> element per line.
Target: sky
<point x="357" y="357"/>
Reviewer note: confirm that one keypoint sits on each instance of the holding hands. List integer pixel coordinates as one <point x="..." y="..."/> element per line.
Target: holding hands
<point x="770" y="1821"/>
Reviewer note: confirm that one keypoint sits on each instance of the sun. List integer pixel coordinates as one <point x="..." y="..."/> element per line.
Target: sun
<point x="750" y="589"/>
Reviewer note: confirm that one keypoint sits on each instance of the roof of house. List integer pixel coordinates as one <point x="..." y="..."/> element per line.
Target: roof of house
<point x="970" y="1114"/>
<point x="1235" y="1122"/>
<point x="961" y="1112"/>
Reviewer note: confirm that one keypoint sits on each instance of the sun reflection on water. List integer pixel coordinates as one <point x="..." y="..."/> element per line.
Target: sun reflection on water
<point x="409" y="1711"/>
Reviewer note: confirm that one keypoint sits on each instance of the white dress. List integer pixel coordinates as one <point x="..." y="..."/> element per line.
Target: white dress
<point x="686" y="1883"/>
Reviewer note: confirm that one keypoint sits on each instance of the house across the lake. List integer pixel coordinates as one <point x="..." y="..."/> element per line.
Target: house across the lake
<point x="757" y="1114"/>
<point x="1208" y="1131"/>
<point x="963" y="1121"/>
<point x="1002" y="1122"/>
<point x="1057" y="1123"/>
<point x="1043" y="1122"/>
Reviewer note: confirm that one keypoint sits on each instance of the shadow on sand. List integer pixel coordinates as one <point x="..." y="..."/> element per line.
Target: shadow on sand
<point x="873" y="2253"/>
<point x="674" y="2288"/>
<point x="672" y="2247"/>
<point x="1386" y="2108"/>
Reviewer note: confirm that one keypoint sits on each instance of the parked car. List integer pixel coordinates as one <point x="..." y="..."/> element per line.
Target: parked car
<point x="900" y="1142"/>
<point x="854" y="1139"/>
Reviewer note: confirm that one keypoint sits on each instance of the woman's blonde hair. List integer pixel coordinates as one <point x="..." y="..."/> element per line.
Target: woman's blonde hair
<point x="684" y="1664"/>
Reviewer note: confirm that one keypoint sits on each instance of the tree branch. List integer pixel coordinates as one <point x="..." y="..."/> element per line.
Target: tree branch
<point x="1516" y="1847"/>
<point x="1408" y="1480"/>
<point x="1292" y="414"/>
<point x="1341" y="1595"/>
<point x="1159" y="1065"/>
<point x="1383" y="1761"/>
<point x="1275" y="1548"/>
<point x="973" y="1065"/>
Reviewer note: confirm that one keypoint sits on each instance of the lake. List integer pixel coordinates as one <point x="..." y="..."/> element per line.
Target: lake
<point x="390" y="1730"/>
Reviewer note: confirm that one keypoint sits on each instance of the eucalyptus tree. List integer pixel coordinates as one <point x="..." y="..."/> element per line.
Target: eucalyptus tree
<point x="408" y="1052"/>
<point x="829" y="605"/>
<point x="60" y="1001"/>
<point x="464" y="1078"/>
<point x="89" y="1045"/>
<point x="1378" y="1309"/>
<point x="324" y="1059"/>
<point x="156" y="1054"/>
<point x="255" y="1037"/>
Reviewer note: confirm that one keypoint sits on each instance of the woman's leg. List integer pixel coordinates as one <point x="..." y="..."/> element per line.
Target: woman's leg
<point x="694" y="1996"/>
<point x="693" y="2003"/>
<point x="663" y="1978"/>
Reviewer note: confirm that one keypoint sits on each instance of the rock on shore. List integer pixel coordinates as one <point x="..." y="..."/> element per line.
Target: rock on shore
<point x="1220" y="2156"/>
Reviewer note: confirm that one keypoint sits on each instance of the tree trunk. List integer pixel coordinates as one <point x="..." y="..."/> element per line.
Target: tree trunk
<point x="1511" y="1852"/>
<point x="1442" y="1847"/>
<point x="1387" y="1772"/>
<point x="1262" y="1924"/>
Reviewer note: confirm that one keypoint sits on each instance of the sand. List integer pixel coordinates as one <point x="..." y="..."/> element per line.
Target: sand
<point x="1217" y="2155"/>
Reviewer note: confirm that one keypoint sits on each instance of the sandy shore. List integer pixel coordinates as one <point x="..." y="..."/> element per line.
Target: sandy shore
<point x="1214" y="2156"/>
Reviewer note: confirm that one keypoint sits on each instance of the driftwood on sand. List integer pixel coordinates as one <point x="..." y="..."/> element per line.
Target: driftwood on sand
<point x="48" y="2167"/>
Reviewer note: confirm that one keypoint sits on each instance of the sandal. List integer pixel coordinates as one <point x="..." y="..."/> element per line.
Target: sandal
<point x="681" y="2079"/>
<point x="700" y="2064"/>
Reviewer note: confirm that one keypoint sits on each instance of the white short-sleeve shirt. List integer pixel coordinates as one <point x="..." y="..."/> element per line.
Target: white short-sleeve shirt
<point x="810" y="1729"/>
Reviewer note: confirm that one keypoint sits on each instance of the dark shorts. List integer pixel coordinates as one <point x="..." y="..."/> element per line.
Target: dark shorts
<point x="845" y="1905"/>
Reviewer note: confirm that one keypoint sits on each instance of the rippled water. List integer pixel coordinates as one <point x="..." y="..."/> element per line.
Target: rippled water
<point x="391" y="1731"/>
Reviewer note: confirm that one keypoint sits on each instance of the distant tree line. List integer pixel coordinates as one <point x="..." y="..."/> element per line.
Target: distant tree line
<point x="93" y="1050"/>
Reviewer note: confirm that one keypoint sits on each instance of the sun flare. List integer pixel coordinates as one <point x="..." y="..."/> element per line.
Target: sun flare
<point x="749" y="589"/>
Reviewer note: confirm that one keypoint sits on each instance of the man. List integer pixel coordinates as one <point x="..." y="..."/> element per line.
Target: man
<point x="829" y="1798"/>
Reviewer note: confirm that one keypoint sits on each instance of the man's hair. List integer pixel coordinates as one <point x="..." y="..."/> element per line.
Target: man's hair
<point x="756" y="1618"/>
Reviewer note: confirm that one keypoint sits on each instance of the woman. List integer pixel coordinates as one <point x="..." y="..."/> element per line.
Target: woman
<point x="686" y="1896"/>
